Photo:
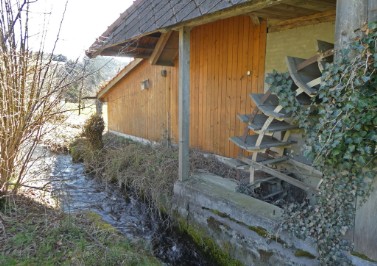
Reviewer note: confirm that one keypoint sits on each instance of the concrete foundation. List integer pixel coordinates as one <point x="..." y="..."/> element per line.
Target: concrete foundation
<point x="245" y="228"/>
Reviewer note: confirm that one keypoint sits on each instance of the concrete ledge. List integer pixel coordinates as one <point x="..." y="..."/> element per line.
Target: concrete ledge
<point x="134" y="138"/>
<point x="246" y="228"/>
<point x="214" y="192"/>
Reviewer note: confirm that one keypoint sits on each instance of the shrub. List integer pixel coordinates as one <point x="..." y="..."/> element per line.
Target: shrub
<point x="77" y="150"/>
<point x="93" y="130"/>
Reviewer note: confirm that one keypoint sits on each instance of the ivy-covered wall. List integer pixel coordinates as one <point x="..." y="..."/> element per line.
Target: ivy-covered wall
<point x="298" y="42"/>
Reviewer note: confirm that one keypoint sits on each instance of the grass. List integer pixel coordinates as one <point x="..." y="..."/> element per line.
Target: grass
<point x="148" y="170"/>
<point x="33" y="234"/>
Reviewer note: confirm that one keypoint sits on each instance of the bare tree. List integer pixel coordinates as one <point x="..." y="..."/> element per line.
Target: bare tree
<point x="94" y="73"/>
<point x="31" y="87"/>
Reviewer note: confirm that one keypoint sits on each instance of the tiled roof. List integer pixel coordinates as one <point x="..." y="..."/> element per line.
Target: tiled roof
<point x="146" y="16"/>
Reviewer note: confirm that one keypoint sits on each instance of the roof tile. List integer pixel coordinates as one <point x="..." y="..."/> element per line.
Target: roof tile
<point x="145" y="16"/>
<point x="177" y="7"/>
<point x="184" y="12"/>
<point x="221" y="5"/>
<point x="207" y="5"/>
<point x="164" y="15"/>
<point x="195" y="13"/>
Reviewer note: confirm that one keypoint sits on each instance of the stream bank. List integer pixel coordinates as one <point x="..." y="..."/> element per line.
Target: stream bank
<point x="231" y="227"/>
<point x="125" y="212"/>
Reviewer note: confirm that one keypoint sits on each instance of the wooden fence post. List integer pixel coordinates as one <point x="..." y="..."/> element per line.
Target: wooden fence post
<point x="184" y="103"/>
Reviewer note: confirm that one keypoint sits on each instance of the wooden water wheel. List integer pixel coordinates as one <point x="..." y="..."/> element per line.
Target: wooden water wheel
<point x="268" y="128"/>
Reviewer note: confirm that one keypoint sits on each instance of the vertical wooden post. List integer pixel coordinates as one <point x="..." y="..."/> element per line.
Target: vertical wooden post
<point x="98" y="107"/>
<point x="372" y="10"/>
<point x="350" y="15"/>
<point x="184" y="103"/>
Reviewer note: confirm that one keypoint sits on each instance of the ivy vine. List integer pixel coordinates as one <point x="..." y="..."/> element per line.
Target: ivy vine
<point x="281" y="84"/>
<point x="340" y="130"/>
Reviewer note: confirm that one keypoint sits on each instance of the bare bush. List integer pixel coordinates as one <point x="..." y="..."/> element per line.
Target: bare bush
<point x="31" y="88"/>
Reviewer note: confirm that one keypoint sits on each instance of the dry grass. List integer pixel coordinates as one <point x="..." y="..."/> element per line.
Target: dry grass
<point x="148" y="170"/>
<point x="209" y="163"/>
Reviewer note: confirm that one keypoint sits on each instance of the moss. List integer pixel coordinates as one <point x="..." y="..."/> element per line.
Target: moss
<point x="207" y="244"/>
<point x="362" y="256"/>
<point x="259" y="230"/>
<point x="218" y="213"/>
<point x="97" y="220"/>
<point x="304" y="253"/>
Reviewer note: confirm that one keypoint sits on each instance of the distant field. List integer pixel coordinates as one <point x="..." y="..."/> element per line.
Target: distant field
<point x="89" y="108"/>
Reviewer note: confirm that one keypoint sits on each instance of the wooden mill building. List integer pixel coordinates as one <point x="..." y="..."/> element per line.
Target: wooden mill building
<point x="232" y="46"/>
<point x="197" y="61"/>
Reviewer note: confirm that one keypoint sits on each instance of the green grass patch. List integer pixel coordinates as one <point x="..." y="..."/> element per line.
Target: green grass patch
<point x="36" y="235"/>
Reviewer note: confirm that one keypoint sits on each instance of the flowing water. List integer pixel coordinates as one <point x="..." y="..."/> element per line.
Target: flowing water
<point x="77" y="192"/>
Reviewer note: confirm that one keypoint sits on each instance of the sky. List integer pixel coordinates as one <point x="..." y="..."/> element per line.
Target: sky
<point x="84" y="21"/>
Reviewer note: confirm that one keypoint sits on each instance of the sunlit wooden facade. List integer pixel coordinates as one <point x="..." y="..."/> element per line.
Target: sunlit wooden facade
<point x="227" y="63"/>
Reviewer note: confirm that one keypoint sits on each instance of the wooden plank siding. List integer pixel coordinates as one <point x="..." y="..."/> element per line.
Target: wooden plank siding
<point x="222" y="53"/>
<point x="141" y="113"/>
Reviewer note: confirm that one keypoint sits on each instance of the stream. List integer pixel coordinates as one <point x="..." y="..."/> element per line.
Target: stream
<point x="78" y="192"/>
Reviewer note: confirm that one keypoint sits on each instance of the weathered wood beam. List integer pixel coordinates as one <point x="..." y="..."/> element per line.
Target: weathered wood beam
<point x="231" y="12"/>
<point x="166" y="63"/>
<point x="372" y="10"/>
<point x="326" y="16"/>
<point x="254" y="19"/>
<point x="184" y="103"/>
<point x="159" y="47"/>
<point x="284" y="177"/>
<point x="350" y="15"/>
<point x="121" y="53"/>
<point x="98" y="107"/>
<point x="317" y="5"/>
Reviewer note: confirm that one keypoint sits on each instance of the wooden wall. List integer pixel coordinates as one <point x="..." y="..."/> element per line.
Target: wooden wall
<point x="141" y="113"/>
<point x="222" y="53"/>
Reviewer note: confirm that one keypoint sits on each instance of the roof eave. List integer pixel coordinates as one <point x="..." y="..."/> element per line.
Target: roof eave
<point x="237" y="9"/>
